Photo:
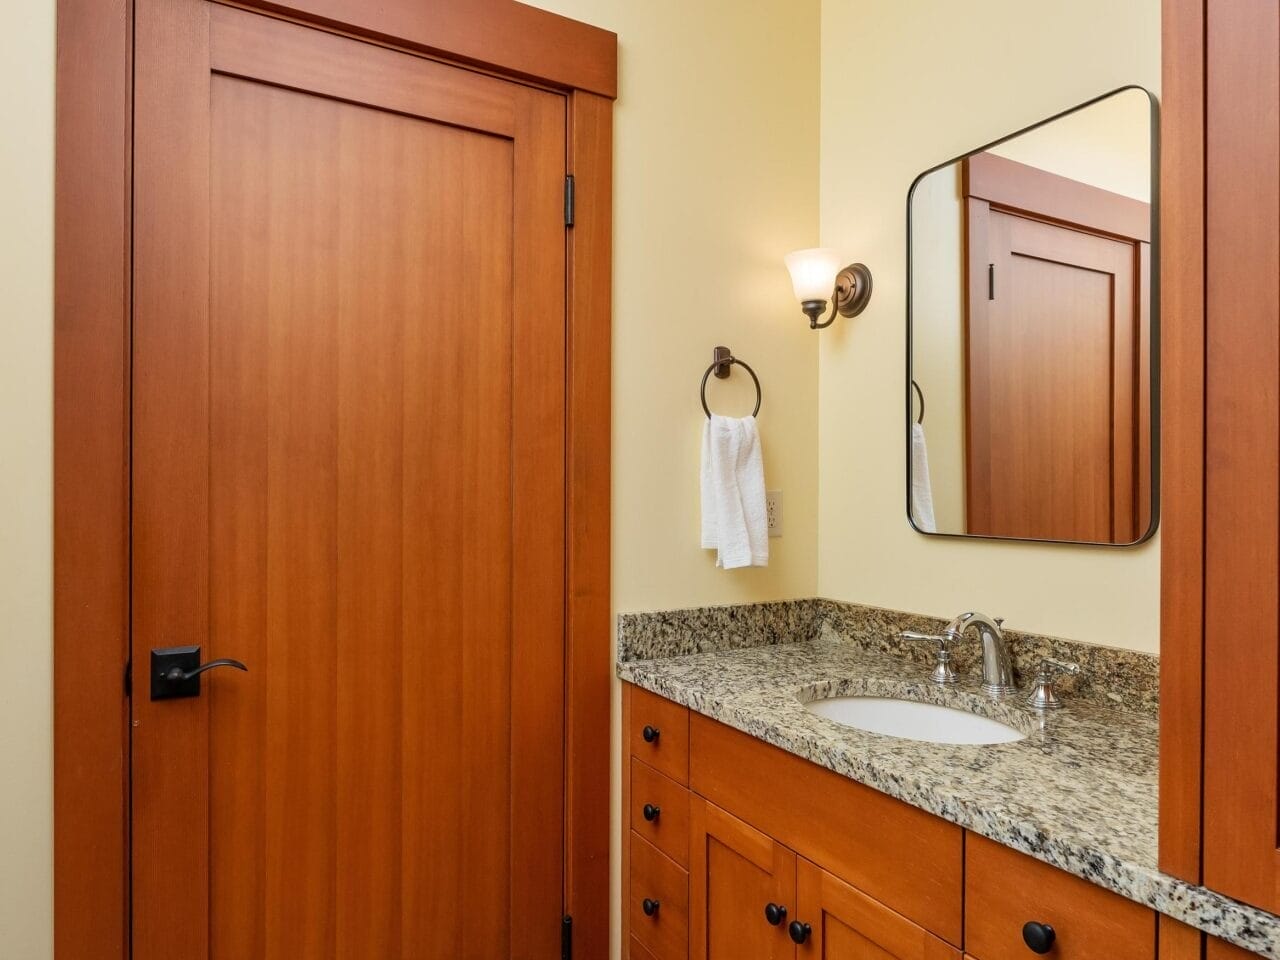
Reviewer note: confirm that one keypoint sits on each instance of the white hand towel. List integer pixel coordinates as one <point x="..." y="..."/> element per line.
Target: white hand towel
<point x="921" y="488"/>
<point x="735" y="522"/>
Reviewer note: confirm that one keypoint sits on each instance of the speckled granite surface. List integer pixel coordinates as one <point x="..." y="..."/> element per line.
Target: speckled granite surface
<point x="1078" y="793"/>
<point x="1108" y="675"/>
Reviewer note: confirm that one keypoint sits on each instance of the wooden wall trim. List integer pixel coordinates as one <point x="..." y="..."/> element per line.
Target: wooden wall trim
<point x="513" y="38"/>
<point x="90" y="521"/>
<point x="91" y="429"/>
<point x="1020" y="187"/>
<point x="1182" y="403"/>
<point x="589" y="675"/>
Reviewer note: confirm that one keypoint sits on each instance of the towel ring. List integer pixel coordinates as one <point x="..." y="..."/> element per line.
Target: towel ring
<point x="723" y="362"/>
<point x="920" y="393"/>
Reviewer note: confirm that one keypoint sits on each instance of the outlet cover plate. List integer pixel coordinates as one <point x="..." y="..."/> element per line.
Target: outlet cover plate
<point x="773" y="508"/>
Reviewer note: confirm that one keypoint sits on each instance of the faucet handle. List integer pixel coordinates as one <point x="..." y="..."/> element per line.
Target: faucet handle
<point x="942" y="673"/>
<point x="1042" y="695"/>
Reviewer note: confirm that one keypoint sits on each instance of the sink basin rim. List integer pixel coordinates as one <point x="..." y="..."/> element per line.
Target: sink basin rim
<point x="907" y="719"/>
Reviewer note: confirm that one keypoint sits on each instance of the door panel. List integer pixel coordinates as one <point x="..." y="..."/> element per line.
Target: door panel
<point x="1242" y="454"/>
<point x="1054" y="334"/>
<point x="349" y="436"/>
<point x="735" y="872"/>
<point x="848" y="925"/>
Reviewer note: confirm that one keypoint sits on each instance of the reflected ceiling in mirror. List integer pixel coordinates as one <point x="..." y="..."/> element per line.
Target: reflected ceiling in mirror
<point x="1031" y="321"/>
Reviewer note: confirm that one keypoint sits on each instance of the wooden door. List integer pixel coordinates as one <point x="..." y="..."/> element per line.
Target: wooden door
<point x="348" y="472"/>
<point x="846" y="924"/>
<point x="1242" y="453"/>
<point x="1057" y="346"/>
<point x="735" y="872"/>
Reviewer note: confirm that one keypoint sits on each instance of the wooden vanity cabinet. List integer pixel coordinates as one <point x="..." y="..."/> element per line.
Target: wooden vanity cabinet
<point x="736" y="874"/>
<point x="740" y="834"/>
<point x="845" y="923"/>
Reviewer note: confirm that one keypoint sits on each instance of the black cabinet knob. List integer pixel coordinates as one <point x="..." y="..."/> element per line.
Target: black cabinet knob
<point x="1038" y="936"/>
<point x="799" y="931"/>
<point x="650" y="907"/>
<point x="775" y="913"/>
<point x="651" y="813"/>
<point x="650" y="734"/>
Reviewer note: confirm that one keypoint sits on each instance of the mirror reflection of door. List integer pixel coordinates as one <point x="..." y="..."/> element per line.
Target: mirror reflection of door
<point x="1057" y="349"/>
<point x="1031" y="321"/>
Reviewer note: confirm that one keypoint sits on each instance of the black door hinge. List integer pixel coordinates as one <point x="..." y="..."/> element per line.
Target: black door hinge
<point x="566" y="937"/>
<point x="991" y="281"/>
<point x="570" y="200"/>
<point x="128" y="678"/>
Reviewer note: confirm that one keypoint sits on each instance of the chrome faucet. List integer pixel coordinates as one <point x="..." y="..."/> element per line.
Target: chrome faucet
<point x="997" y="662"/>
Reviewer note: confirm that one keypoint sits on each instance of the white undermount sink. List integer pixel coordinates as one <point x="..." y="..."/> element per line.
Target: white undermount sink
<point x="914" y="721"/>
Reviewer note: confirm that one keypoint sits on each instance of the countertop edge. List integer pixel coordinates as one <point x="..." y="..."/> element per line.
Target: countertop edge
<point x="1237" y="923"/>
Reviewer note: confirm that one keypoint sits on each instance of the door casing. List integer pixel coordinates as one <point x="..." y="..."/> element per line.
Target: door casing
<point x="92" y="300"/>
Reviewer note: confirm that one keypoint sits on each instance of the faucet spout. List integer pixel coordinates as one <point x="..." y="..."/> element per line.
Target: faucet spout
<point x="997" y="661"/>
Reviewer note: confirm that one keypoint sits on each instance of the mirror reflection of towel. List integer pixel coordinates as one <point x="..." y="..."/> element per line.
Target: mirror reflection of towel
<point x="921" y="489"/>
<point x="735" y="521"/>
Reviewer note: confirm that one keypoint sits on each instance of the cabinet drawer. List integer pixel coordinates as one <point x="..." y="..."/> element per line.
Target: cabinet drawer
<point x="660" y="811"/>
<point x="909" y="860"/>
<point x="658" y="734"/>
<point x="656" y="877"/>
<point x="1005" y="889"/>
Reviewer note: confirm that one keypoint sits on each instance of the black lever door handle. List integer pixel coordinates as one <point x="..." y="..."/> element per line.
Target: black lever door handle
<point x="175" y="672"/>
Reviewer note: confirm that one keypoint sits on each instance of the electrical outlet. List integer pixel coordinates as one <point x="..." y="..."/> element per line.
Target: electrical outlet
<point x="773" y="508"/>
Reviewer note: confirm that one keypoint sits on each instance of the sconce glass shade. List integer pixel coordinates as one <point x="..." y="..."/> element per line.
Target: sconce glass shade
<point x="813" y="273"/>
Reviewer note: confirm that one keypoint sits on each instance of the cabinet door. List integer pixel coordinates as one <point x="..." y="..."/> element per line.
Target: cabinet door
<point x="736" y="872"/>
<point x="845" y="924"/>
<point x="1242" y="437"/>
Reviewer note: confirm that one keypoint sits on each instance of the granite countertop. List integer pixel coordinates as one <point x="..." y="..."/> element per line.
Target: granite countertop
<point x="1080" y="792"/>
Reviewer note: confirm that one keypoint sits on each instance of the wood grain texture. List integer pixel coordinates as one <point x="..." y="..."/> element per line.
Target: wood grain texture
<point x="1182" y="355"/>
<point x="668" y="752"/>
<point x="1005" y="889"/>
<point x="95" y="70"/>
<point x="589" y="679"/>
<point x="909" y="860"/>
<point x="847" y="923"/>
<point x="1242" y="451"/>
<point x="170" y="467"/>
<point x="1054" y="336"/>
<point x="1177" y="941"/>
<point x="385" y="490"/>
<point x="735" y="872"/>
<point x="512" y="37"/>
<point x="1215" y="949"/>
<point x="274" y="51"/>
<point x="656" y="877"/>
<point x="1051" y="381"/>
<point x="91" y="468"/>
<point x="1017" y="186"/>
<point x="669" y="828"/>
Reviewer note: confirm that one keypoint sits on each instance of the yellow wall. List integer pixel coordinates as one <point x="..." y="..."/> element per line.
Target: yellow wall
<point x="716" y="178"/>
<point x="716" y="140"/>
<point x="26" y="400"/>
<point x="906" y="86"/>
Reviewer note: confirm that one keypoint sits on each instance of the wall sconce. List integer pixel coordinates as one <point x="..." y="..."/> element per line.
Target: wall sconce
<point x="811" y="276"/>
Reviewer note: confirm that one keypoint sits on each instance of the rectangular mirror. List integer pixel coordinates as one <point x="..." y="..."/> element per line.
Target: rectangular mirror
<point x="1031" y="332"/>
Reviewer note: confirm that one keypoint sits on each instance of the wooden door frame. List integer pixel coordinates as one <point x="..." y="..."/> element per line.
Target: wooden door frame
<point x="92" y="302"/>
<point x="1182" y="416"/>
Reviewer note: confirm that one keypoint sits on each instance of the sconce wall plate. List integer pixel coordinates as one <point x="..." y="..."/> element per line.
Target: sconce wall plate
<point x="853" y="290"/>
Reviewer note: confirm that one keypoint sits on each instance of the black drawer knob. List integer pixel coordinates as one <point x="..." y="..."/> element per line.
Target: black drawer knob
<point x="650" y="734"/>
<point x="799" y="931"/>
<point x="775" y="913"/>
<point x="1038" y="936"/>
<point x="651" y="813"/>
<point x="650" y="907"/>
